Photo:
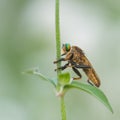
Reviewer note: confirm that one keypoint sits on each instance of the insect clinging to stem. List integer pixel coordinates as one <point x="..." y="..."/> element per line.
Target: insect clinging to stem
<point x="76" y="59"/>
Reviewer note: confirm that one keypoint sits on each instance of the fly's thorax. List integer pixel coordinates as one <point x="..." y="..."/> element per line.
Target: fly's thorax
<point x="77" y="56"/>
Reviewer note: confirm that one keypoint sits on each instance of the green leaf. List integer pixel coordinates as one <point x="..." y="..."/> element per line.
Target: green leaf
<point x="91" y="90"/>
<point x="64" y="79"/>
<point x="37" y="73"/>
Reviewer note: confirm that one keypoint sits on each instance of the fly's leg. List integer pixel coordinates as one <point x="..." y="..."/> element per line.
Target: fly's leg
<point x="62" y="67"/>
<point x="82" y="66"/>
<point x="90" y="82"/>
<point x="77" y="72"/>
<point x="61" y="59"/>
<point x="68" y="57"/>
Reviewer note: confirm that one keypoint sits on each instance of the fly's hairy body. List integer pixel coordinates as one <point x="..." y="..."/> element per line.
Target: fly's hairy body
<point x="77" y="59"/>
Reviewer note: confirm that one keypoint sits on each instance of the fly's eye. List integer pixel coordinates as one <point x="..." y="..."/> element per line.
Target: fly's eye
<point x="67" y="47"/>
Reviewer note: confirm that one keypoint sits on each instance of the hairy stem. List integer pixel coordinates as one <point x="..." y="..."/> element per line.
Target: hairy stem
<point x="58" y="54"/>
<point x="63" y="110"/>
<point x="58" y="43"/>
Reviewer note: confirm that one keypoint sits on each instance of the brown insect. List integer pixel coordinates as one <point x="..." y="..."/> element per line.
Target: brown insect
<point x="77" y="59"/>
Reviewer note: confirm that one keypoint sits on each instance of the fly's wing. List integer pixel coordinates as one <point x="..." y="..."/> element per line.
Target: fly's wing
<point x="90" y="72"/>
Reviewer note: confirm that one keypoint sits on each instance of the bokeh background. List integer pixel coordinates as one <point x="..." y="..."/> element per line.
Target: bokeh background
<point x="27" y="40"/>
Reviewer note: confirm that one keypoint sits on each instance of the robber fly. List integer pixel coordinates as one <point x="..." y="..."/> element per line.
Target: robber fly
<point x="76" y="59"/>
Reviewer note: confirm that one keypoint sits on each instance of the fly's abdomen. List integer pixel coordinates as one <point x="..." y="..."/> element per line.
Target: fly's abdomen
<point x="92" y="76"/>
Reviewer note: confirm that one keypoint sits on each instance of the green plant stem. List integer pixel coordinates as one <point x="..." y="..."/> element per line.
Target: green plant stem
<point x="58" y="54"/>
<point x="63" y="110"/>
<point x="57" y="34"/>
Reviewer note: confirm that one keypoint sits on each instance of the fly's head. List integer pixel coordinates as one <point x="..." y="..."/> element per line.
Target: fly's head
<point x="65" y="48"/>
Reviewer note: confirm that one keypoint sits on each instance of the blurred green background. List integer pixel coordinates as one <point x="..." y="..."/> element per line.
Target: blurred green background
<point x="27" y="40"/>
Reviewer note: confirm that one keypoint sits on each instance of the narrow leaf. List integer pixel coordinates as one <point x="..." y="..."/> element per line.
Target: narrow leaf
<point x="91" y="90"/>
<point x="37" y="73"/>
